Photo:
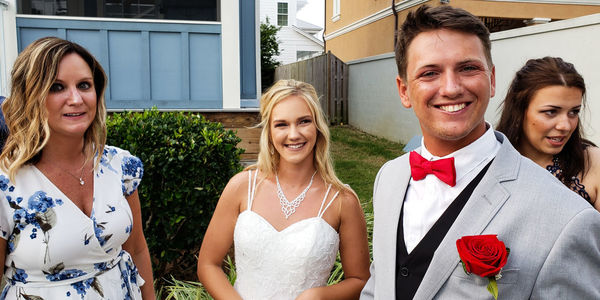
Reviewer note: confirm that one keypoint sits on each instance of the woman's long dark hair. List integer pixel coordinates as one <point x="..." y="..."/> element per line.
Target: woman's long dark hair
<point x="535" y="75"/>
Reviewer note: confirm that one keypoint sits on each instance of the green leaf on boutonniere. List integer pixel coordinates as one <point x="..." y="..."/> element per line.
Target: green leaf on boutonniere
<point x="492" y="287"/>
<point x="464" y="267"/>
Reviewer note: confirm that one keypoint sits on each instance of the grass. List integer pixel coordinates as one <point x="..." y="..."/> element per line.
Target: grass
<point x="357" y="157"/>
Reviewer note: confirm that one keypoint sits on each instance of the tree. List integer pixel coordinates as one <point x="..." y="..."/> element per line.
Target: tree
<point x="269" y="48"/>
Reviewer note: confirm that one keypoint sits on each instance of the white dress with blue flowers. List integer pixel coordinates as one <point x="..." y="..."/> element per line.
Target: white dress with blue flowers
<point x="55" y="251"/>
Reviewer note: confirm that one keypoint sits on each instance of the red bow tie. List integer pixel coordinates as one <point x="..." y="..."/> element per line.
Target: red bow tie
<point x="443" y="169"/>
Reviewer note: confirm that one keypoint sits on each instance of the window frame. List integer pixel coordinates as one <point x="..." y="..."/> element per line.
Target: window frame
<point x="286" y="14"/>
<point x="336" y="10"/>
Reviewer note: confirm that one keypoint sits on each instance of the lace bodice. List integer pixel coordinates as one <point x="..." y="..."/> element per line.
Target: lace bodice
<point x="273" y="264"/>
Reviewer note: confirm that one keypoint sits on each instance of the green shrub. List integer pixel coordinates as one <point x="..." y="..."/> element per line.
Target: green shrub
<point x="187" y="163"/>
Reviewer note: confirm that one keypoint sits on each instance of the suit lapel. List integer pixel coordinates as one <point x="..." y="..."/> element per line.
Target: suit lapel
<point x="387" y="221"/>
<point x="487" y="198"/>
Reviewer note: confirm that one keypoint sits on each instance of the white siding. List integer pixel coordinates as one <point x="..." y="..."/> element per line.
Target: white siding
<point x="290" y="41"/>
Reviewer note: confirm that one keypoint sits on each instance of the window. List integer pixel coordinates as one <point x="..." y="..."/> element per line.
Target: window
<point x="336" y="10"/>
<point x="205" y="10"/>
<point x="282" y="14"/>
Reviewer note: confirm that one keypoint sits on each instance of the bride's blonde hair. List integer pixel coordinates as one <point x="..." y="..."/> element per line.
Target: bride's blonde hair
<point x="267" y="162"/>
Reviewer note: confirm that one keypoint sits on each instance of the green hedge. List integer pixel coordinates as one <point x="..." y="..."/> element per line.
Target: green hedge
<point x="187" y="163"/>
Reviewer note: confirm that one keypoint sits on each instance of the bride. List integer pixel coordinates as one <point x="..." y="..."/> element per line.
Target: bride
<point x="289" y="214"/>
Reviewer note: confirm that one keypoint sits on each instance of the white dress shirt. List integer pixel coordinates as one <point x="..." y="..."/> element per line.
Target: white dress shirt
<point x="427" y="199"/>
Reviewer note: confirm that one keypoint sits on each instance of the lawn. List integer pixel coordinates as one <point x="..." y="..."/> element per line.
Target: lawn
<point x="358" y="156"/>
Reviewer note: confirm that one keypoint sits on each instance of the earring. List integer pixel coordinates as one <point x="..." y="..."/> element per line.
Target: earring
<point x="271" y="150"/>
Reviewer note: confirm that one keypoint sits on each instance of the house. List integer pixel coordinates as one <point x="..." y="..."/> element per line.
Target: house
<point x="356" y="29"/>
<point x="297" y="37"/>
<point x="183" y="54"/>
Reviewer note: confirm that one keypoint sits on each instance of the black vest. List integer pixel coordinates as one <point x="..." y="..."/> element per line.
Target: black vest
<point x="411" y="268"/>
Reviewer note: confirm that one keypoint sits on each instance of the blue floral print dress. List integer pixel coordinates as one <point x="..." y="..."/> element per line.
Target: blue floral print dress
<point x="55" y="251"/>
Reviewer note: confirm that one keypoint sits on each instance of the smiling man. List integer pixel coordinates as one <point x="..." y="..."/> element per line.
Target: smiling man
<point x="466" y="182"/>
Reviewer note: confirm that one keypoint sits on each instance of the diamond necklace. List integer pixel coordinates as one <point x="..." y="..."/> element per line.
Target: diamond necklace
<point x="289" y="207"/>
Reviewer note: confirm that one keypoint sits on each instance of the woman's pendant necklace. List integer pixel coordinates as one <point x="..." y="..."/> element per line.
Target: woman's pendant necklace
<point x="289" y="207"/>
<point x="80" y="178"/>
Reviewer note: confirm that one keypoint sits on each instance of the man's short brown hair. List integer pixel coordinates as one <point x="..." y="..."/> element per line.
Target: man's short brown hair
<point x="427" y="18"/>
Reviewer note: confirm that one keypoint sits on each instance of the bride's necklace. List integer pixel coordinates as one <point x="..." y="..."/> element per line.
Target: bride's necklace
<point x="289" y="207"/>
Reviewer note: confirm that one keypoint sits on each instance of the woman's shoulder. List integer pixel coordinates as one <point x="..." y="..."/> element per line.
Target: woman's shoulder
<point x="112" y="151"/>
<point x="348" y="198"/>
<point x="592" y="155"/>
<point x="116" y="155"/>
<point x="240" y="181"/>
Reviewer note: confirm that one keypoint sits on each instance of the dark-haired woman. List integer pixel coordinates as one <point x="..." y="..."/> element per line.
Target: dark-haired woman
<point x="541" y="119"/>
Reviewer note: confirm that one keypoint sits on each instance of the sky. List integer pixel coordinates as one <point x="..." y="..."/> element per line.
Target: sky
<point x="313" y="12"/>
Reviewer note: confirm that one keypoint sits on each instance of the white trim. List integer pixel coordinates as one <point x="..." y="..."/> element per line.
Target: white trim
<point x="548" y="27"/>
<point x="307" y="35"/>
<point x="230" y="57"/>
<point x="386" y="12"/>
<point x="372" y="58"/>
<point x="257" y="44"/>
<point x="335" y="10"/>
<point x="4" y="3"/>
<point x="570" y="2"/>
<point x="8" y="44"/>
<point x="117" y="19"/>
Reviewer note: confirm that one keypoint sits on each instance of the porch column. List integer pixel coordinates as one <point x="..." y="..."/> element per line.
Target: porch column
<point x="230" y="27"/>
<point x="8" y="42"/>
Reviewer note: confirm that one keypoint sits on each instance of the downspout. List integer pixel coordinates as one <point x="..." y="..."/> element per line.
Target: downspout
<point x="395" y="23"/>
<point x="324" y="25"/>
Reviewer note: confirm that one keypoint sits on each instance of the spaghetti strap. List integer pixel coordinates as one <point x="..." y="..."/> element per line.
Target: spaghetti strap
<point x="321" y="210"/>
<point x="248" y="201"/>
<point x="251" y="188"/>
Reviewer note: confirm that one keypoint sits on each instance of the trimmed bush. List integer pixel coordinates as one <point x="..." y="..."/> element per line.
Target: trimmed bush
<point x="187" y="163"/>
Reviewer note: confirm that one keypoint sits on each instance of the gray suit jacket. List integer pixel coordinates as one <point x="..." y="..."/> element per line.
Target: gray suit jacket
<point x="553" y="235"/>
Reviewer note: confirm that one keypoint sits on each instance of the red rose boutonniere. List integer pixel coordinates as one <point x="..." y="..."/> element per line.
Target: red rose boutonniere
<point x="483" y="255"/>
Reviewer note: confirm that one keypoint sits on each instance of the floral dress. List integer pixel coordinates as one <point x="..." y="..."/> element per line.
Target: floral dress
<point x="55" y="251"/>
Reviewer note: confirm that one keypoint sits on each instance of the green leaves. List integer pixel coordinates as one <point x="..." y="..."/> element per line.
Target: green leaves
<point x="269" y="49"/>
<point x="492" y="287"/>
<point x="187" y="163"/>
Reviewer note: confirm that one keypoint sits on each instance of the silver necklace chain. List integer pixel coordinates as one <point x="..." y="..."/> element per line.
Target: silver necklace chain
<point x="80" y="178"/>
<point x="289" y="207"/>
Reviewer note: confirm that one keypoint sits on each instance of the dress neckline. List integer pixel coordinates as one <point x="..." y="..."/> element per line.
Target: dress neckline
<point x="68" y="200"/>
<point x="291" y="226"/>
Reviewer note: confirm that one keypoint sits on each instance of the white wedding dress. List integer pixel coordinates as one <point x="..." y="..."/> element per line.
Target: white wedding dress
<point x="273" y="264"/>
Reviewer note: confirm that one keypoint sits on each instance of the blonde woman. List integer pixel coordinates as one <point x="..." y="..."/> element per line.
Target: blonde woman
<point x="289" y="214"/>
<point x="70" y="217"/>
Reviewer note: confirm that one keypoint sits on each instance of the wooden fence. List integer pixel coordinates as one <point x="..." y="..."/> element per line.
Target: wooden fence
<point x="329" y="75"/>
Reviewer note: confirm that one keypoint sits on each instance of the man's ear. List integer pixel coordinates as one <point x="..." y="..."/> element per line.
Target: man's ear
<point x="493" y="82"/>
<point x="402" y="91"/>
